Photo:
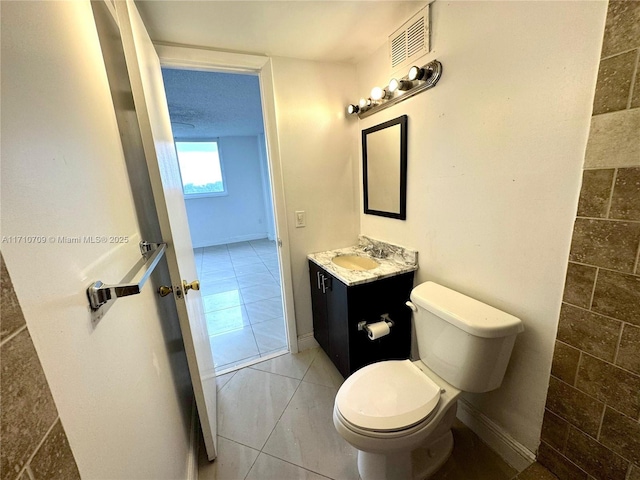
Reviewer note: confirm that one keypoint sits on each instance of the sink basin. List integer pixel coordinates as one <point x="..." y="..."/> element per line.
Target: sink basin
<point x="355" y="262"/>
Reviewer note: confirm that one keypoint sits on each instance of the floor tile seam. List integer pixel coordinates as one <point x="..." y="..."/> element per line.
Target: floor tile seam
<point x="281" y="414"/>
<point x="267" y="352"/>
<point x="235" y="366"/>
<point x="228" y="331"/>
<point x="274" y="352"/>
<point x="239" y="443"/>
<point x="233" y="374"/>
<point x="321" y="385"/>
<point x="274" y="373"/>
<point x="251" y="467"/>
<point x="27" y="463"/>
<point x="295" y="464"/>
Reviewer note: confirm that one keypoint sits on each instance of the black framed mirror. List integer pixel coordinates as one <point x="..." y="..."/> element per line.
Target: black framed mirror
<point x="384" y="169"/>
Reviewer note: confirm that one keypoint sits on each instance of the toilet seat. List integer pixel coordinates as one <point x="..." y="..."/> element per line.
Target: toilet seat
<point x="387" y="396"/>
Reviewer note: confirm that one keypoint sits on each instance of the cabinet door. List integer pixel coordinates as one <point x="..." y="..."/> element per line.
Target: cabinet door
<point x="338" y="319"/>
<point x="319" y="307"/>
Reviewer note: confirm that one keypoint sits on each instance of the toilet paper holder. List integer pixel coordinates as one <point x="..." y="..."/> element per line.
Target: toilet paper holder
<point x="384" y="318"/>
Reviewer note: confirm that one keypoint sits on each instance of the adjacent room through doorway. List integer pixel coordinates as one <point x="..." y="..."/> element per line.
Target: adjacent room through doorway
<point x="218" y="129"/>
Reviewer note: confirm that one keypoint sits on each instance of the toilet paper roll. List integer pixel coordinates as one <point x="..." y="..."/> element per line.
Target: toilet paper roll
<point x="377" y="330"/>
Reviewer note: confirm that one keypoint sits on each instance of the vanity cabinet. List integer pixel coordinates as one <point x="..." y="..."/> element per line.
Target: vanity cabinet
<point x="338" y="308"/>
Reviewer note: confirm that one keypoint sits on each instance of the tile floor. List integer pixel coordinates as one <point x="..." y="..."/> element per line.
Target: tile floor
<point x="241" y="293"/>
<point x="275" y="422"/>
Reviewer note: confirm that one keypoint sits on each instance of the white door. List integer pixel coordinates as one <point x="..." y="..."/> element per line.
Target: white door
<point x="157" y="139"/>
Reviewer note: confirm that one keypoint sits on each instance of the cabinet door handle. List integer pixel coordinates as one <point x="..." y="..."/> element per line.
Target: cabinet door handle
<point x="318" y="274"/>
<point x="326" y="284"/>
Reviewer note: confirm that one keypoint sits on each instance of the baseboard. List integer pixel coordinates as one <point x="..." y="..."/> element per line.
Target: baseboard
<point x="512" y="451"/>
<point x="306" y="342"/>
<point x="192" y="453"/>
<point x="234" y="239"/>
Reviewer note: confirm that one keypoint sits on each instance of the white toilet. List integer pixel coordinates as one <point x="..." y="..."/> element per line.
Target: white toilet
<point x="398" y="413"/>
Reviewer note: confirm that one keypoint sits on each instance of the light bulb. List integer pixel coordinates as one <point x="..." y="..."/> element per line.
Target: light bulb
<point x="377" y="93"/>
<point x="415" y="73"/>
<point x="365" y="102"/>
<point x="353" y="109"/>
<point x="395" y="84"/>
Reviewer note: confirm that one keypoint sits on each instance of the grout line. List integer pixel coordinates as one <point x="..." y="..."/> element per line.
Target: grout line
<point x="251" y="467"/>
<point x="575" y="375"/>
<point x="27" y="463"/>
<point x="280" y="417"/>
<point x="603" y="219"/>
<point x="636" y="270"/>
<point x="593" y="289"/>
<point x="13" y="335"/>
<point x="618" y="53"/>
<point x="633" y="80"/>
<point x="593" y="312"/>
<point x="30" y="472"/>
<point x="565" y="457"/>
<point x="603" y="268"/>
<point x="613" y="185"/>
<point x="296" y="465"/>
<point x="604" y="410"/>
<point x="615" y="355"/>
<point x="239" y="443"/>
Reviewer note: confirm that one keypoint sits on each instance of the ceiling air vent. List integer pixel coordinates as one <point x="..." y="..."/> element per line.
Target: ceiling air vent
<point x="410" y="41"/>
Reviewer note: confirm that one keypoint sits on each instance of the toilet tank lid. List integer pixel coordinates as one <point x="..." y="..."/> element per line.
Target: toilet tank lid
<point x="466" y="313"/>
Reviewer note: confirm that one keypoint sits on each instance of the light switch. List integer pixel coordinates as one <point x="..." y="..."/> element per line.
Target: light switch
<point x="301" y="219"/>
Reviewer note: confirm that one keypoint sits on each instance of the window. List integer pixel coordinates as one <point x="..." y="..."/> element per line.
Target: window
<point x="201" y="169"/>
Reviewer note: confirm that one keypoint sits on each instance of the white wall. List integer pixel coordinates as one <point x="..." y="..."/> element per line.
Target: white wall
<point x="122" y="387"/>
<point x="319" y="155"/>
<point x="240" y="215"/>
<point x="494" y="168"/>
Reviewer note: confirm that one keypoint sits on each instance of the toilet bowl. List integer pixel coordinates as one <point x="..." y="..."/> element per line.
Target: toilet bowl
<point x="398" y="413"/>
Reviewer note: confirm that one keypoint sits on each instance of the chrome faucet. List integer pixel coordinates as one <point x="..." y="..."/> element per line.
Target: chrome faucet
<point x="375" y="252"/>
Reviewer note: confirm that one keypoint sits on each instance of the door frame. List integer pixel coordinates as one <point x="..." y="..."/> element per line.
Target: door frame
<point x="194" y="58"/>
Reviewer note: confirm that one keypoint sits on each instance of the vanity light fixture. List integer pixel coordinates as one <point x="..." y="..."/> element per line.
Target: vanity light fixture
<point x="416" y="81"/>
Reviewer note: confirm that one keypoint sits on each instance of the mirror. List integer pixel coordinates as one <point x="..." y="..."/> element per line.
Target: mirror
<point x="384" y="162"/>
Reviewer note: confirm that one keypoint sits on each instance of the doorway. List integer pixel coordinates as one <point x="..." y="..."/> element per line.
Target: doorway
<point x="218" y="127"/>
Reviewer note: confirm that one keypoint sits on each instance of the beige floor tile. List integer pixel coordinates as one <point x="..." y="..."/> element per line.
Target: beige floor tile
<point x="294" y="365"/>
<point x="305" y="435"/>
<point x="222" y="380"/>
<point x="233" y="463"/>
<point x="323" y="372"/>
<point x="250" y="405"/>
<point x="267" y="467"/>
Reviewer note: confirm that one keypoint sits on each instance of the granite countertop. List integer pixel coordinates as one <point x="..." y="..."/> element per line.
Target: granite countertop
<point x="395" y="260"/>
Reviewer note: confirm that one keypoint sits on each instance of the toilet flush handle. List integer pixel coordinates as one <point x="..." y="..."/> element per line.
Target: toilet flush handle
<point x="412" y="306"/>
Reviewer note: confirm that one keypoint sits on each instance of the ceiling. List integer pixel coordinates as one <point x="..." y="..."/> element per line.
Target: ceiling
<point x="203" y="105"/>
<point x="335" y="31"/>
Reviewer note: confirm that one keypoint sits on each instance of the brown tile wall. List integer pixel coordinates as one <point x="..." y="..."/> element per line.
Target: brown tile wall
<point x="591" y="426"/>
<point x="34" y="445"/>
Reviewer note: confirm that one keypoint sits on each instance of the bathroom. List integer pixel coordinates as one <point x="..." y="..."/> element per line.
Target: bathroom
<point x="496" y="159"/>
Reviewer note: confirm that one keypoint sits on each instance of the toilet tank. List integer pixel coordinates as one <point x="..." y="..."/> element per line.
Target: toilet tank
<point x="464" y="341"/>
